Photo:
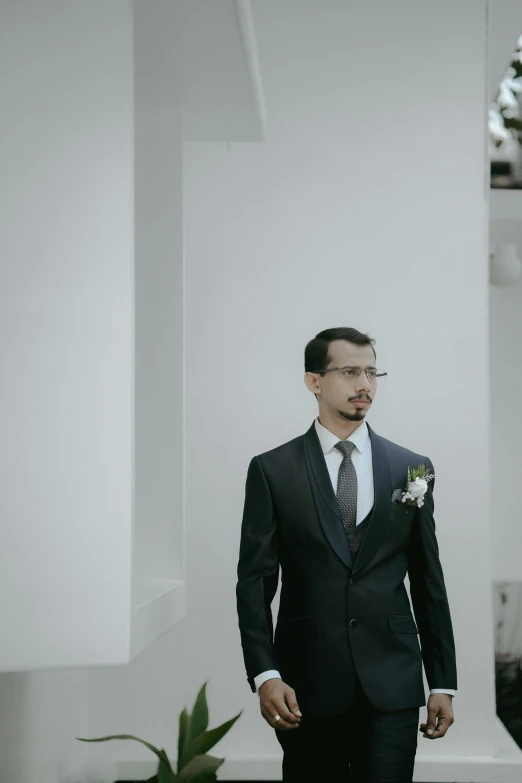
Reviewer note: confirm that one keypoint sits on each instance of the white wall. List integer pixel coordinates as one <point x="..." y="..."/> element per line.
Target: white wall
<point x="40" y="715"/>
<point x="66" y="341"/>
<point x="366" y="207"/>
<point x="354" y="212"/>
<point x="506" y="422"/>
<point x="66" y="356"/>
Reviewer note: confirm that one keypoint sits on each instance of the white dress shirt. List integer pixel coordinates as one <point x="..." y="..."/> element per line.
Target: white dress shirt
<point x="363" y="464"/>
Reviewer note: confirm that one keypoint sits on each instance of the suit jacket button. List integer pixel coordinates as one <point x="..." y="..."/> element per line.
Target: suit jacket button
<point x="353" y="623"/>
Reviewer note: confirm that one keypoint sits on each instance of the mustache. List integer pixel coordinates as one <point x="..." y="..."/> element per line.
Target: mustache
<point x="365" y="399"/>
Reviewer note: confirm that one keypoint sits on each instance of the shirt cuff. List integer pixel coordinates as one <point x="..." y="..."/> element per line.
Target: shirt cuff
<point x="443" y="690"/>
<point x="271" y="674"/>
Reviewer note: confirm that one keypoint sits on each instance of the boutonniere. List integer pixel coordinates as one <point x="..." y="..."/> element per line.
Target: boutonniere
<point x="417" y="486"/>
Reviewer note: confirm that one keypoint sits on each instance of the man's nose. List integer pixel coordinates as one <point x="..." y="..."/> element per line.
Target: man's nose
<point x="363" y="384"/>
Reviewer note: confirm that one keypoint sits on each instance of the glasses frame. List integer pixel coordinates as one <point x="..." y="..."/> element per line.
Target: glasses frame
<point x="351" y="367"/>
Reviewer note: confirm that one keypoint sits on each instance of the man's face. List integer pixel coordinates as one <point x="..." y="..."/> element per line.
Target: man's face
<point x="347" y="393"/>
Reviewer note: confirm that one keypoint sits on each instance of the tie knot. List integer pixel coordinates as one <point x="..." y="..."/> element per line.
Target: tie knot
<point x="345" y="447"/>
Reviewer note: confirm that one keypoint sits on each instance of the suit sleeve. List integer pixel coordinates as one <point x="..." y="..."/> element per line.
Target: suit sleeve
<point x="429" y="598"/>
<point x="257" y="574"/>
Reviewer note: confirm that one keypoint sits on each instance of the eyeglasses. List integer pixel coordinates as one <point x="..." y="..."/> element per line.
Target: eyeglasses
<point x="350" y="373"/>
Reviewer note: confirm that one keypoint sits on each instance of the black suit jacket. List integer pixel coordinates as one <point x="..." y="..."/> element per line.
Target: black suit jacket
<point x="338" y="619"/>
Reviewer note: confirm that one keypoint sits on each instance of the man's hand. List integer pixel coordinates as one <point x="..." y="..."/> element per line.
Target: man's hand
<point x="439" y="706"/>
<point x="278" y="698"/>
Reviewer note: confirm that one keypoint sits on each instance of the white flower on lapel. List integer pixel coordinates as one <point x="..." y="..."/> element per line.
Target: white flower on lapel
<point x="417" y="486"/>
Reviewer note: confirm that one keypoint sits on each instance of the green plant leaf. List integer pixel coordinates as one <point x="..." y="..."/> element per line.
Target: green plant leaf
<point x="159" y="753"/>
<point x="183" y="738"/>
<point x="200" y="769"/>
<point x="208" y="739"/>
<point x="199" y="716"/>
<point x="419" y="470"/>
<point x="165" y="773"/>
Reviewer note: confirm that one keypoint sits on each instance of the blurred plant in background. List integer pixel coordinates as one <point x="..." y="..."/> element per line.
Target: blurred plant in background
<point x="505" y="127"/>
<point x="504" y="114"/>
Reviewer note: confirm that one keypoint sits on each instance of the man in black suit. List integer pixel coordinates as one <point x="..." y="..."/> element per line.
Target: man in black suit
<point x="340" y="680"/>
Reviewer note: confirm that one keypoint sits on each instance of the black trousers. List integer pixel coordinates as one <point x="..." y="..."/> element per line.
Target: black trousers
<point x="362" y="745"/>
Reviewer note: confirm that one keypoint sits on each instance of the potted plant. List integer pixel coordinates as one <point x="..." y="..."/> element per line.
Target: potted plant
<point x="194" y="764"/>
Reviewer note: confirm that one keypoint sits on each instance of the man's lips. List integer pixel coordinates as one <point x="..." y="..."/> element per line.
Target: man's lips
<point x="360" y="402"/>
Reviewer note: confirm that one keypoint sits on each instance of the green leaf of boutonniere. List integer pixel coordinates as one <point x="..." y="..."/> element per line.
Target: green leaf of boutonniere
<point x="419" y="472"/>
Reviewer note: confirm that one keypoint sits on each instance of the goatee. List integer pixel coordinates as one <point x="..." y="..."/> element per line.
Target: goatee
<point x="357" y="416"/>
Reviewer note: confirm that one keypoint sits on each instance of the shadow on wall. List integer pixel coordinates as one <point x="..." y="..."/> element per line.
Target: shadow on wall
<point x="508" y="656"/>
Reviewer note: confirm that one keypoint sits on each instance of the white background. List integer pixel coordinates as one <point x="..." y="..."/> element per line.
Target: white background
<point x="366" y="207"/>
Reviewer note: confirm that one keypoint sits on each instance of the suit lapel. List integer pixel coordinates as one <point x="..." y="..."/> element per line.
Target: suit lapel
<point x="326" y="502"/>
<point x="324" y="497"/>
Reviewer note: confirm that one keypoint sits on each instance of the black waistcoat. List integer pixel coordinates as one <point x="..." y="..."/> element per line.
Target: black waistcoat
<point x="356" y="536"/>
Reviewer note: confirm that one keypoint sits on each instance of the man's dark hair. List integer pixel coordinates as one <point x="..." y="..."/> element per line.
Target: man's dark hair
<point x="316" y="352"/>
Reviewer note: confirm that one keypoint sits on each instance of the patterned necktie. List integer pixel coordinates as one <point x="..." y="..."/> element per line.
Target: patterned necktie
<point x="347" y="486"/>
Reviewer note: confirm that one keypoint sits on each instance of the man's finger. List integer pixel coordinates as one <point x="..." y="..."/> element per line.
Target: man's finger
<point x="280" y="724"/>
<point x="279" y="705"/>
<point x="292" y="702"/>
<point x="440" y="730"/>
<point x="431" y="723"/>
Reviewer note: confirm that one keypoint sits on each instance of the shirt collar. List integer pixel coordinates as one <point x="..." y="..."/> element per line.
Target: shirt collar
<point x="327" y="439"/>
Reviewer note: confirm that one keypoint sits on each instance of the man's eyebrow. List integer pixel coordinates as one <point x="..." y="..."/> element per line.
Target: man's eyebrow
<point x="356" y="367"/>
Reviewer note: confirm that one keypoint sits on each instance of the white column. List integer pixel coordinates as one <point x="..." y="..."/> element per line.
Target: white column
<point x="66" y="333"/>
<point x="91" y="344"/>
<point x="158" y="572"/>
